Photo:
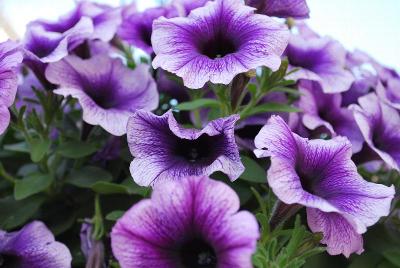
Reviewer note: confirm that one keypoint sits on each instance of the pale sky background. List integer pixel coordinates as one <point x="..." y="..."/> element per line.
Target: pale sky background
<point x="370" y="25"/>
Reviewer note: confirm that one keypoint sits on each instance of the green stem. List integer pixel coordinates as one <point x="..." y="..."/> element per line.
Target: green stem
<point x="98" y="231"/>
<point x="4" y="174"/>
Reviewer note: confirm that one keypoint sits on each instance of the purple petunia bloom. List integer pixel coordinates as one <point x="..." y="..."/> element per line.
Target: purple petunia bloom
<point x="380" y="124"/>
<point x="216" y="42"/>
<point x="391" y="93"/>
<point x="365" y="75"/>
<point x="10" y="58"/>
<point x="51" y="41"/>
<point x="320" y="175"/>
<point x="164" y="150"/>
<point x="108" y="91"/>
<point x="92" y="249"/>
<point x="33" y="247"/>
<point x="186" y="6"/>
<point x="281" y="8"/>
<point x="324" y="111"/>
<point x="136" y="27"/>
<point x="190" y="223"/>
<point x="321" y="60"/>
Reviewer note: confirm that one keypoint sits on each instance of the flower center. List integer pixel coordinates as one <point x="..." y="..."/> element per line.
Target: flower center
<point x="145" y="34"/>
<point x="201" y="149"/>
<point x="102" y="95"/>
<point x="217" y="47"/>
<point x="197" y="253"/>
<point x="8" y="261"/>
<point x="307" y="180"/>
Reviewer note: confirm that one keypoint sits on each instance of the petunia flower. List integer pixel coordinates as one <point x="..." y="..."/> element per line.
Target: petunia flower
<point x="216" y="42"/>
<point x="281" y="8"/>
<point x="108" y="91"/>
<point x="164" y="150"/>
<point x="33" y="247"/>
<point x="10" y="59"/>
<point x="322" y="110"/>
<point x="136" y="27"/>
<point x="380" y="125"/>
<point x="320" y="175"/>
<point x="391" y="93"/>
<point x="365" y="74"/>
<point x="186" y="6"/>
<point x="51" y="41"/>
<point x="321" y="60"/>
<point x="92" y="249"/>
<point x="190" y="223"/>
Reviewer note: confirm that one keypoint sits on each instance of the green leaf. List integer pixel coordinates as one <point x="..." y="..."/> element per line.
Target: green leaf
<point x="196" y="104"/>
<point x="125" y="187"/>
<point x="393" y="256"/>
<point x="21" y="147"/>
<point x="133" y="188"/>
<point x="76" y="149"/>
<point x="102" y="187"/>
<point x="286" y="90"/>
<point x="31" y="185"/>
<point x="15" y="213"/>
<point x="272" y="107"/>
<point x="115" y="215"/>
<point x="252" y="88"/>
<point x="87" y="176"/>
<point x="253" y="171"/>
<point x="27" y="169"/>
<point x="39" y="149"/>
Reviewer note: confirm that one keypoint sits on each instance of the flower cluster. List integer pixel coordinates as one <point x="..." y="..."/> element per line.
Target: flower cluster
<point x="189" y="135"/>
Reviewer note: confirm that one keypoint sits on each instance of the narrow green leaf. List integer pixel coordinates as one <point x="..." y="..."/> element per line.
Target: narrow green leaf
<point x="393" y="256"/>
<point x="31" y="185"/>
<point x="114" y="215"/>
<point x="103" y="187"/>
<point x="133" y="188"/>
<point x="196" y="104"/>
<point x="76" y="149"/>
<point x="21" y="147"/>
<point x="39" y="148"/>
<point x="272" y="107"/>
<point x="253" y="171"/>
<point x="252" y="88"/>
<point x="87" y="176"/>
<point x="286" y="90"/>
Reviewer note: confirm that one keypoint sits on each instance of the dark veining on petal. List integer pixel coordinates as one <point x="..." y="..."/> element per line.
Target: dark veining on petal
<point x="196" y="253"/>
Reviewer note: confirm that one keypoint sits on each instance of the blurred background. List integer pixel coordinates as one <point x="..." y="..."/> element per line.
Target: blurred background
<point x="370" y="25"/>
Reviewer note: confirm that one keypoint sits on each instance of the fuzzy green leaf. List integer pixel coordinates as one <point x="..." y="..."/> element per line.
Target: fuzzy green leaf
<point x="39" y="149"/>
<point x="15" y="213"/>
<point x="272" y="107"/>
<point x="76" y="149"/>
<point x="115" y="215"/>
<point x="87" y="176"/>
<point x="196" y="104"/>
<point x="31" y="185"/>
<point x="253" y="171"/>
